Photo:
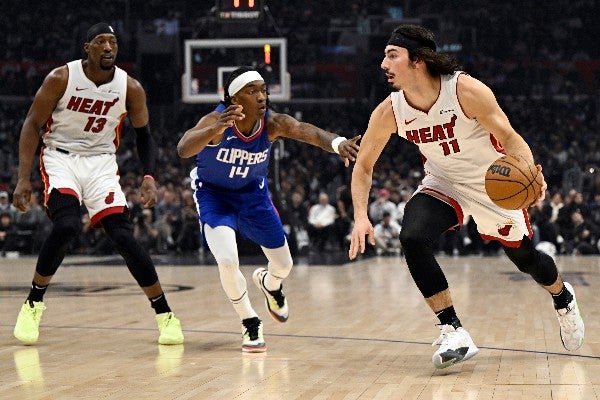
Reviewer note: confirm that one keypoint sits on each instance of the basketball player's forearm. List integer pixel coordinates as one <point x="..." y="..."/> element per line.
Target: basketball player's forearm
<point x="517" y="146"/>
<point x="28" y="143"/>
<point x="195" y="140"/>
<point x="317" y="136"/>
<point x="361" y="184"/>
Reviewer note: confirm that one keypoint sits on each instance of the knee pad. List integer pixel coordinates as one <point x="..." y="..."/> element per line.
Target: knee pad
<point x="539" y="265"/>
<point x="66" y="222"/>
<point x="120" y="231"/>
<point x="117" y="226"/>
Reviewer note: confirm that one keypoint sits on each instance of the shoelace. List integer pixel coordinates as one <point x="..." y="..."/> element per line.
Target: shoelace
<point x="277" y="294"/>
<point x="279" y="297"/>
<point x="445" y="334"/>
<point x="252" y="329"/>
<point x="567" y="321"/>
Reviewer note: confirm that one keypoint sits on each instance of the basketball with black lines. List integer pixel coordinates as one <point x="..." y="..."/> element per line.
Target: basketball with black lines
<point x="512" y="183"/>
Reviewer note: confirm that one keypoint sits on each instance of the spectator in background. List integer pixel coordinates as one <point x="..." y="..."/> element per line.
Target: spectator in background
<point x="321" y="217"/>
<point x="585" y="235"/>
<point x="168" y="221"/>
<point x="387" y="236"/>
<point x="405" y="195"/>
<point x="297" y="208"/>
<point x="8" y="233"/>
<point x="188" y="239"/>
<point x="555" y="204"/>
<point x="380" y="205"/>
<point x="5" y="204"/>
<point x="144" y="231"/>
<point x="33" y="226"/>
<point x="345" y="215"/>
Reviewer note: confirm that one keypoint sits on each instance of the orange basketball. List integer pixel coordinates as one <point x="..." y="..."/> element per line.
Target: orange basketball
<point x="512" y="183"/>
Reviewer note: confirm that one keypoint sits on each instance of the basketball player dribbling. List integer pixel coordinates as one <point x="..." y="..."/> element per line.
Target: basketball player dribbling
<point x="449" y="115"/>
<point x="232" y="146"/>
<point x="83" y="105"/>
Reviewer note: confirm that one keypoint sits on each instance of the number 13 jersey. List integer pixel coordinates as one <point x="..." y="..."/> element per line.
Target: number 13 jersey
<point x="88" y="119"/>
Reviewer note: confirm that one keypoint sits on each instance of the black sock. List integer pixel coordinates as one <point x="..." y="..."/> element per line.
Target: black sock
<point x="37" y="292"/>
<point x="562" y="299"/>
<point x="159" y="303"/>
<point x="448" y="317"/>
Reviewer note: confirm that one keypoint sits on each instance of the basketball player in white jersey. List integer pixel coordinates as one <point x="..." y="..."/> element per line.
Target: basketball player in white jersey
<point x="83" y="105"/>
<point x="460" y="129"/>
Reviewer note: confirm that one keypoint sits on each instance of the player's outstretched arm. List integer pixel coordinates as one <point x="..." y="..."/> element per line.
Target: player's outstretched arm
<point x="381" y="126"/>
<point x="44" y="102"/>
<point x="283" y="125"/>
<point x="209" y="127"/>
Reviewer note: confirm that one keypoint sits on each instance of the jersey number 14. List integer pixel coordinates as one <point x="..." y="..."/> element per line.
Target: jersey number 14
<point x="239" y="171"/>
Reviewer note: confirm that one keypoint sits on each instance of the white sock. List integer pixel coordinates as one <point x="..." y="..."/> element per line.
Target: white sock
<point x="280" y="265"/>
<point x="243" y="307"/>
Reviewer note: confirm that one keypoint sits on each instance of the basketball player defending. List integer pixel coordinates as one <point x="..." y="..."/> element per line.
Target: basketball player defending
<point x="232" y="145"/>
<point x="449" y="115"/>
<point x="83" y="105"/>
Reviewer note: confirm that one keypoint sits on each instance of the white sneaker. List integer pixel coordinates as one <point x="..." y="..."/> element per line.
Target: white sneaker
<point x="572" y="328"/>
<point x="252" y="336"/>
<point x="456" y="345"/>
<point x="275" y="299"/>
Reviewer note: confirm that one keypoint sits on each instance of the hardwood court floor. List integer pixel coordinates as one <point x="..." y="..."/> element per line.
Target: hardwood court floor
<point x="356" y="331"/>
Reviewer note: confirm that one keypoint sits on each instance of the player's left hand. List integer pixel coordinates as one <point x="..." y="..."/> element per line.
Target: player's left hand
<point x="349" y="149"/>
<point x="542" y="195"/>
<point x="148" y="192"/>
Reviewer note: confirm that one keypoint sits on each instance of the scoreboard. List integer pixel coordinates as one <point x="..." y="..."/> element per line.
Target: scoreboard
<point x="239" y="10"/>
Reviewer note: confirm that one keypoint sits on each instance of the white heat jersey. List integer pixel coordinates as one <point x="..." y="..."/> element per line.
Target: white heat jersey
<point x="88" y="119"/>
<point x="454" y="147"/>
<point x="457" y="152"/>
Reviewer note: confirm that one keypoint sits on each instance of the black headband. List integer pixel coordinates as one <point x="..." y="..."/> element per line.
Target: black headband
<point x="99" y="29"/>
<point x="401" y="40"/>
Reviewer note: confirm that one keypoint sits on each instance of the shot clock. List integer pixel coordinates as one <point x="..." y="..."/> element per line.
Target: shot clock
<point x="239" y="10"/>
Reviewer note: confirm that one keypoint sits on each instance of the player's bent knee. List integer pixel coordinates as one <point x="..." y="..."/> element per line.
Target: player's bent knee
<point x="227" y="263"/>
<point x="66" y="223"/>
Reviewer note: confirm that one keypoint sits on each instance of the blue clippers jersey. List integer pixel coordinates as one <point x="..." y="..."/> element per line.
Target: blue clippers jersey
<point x="238" y="160"/>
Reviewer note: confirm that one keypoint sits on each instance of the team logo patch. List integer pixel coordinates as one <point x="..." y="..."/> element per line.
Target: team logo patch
<point x="505" y="230"/>
<point x="110" y="198"/>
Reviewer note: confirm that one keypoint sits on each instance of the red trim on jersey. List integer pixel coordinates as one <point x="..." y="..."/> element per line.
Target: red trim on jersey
<point x="104" y="213"/>
<point x="48" y="129"/>
<point x="250" y="138"/>
<point x="394" y="114"/>
<point x="448" y="200"/>
<point x="45" y="177"/>
<point x="497" y="145"/>
<point x="118" y="130"/>
<point x="68" y="191"/>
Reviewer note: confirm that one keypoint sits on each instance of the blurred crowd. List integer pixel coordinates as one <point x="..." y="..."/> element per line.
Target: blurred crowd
<point x="545" y="74"/>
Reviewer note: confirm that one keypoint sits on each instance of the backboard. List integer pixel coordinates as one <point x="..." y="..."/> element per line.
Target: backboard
<point x="208" y="63"/>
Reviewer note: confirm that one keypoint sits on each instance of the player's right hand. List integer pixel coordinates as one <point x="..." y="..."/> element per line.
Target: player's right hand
<point x="362" y="228"/>
<point x="230" y="115"/>
<point x="22" y="195"/>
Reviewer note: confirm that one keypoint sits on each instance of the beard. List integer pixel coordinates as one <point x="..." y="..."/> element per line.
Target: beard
<point x="107" y="67"/>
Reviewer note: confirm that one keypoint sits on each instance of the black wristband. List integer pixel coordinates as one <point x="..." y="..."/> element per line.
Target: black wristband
<point x="146" y="149"/>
